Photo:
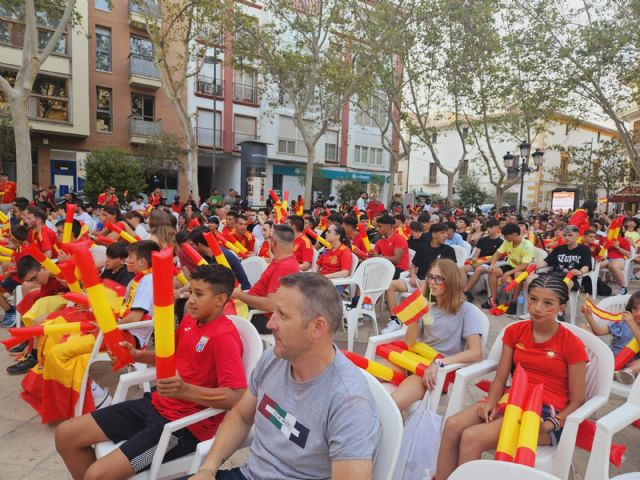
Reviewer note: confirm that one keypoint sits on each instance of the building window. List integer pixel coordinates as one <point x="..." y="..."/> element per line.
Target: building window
<point x="464" y="168"/>
<point x="434" y="137"/>
<point x="289" y="139"/>
<point x="244" y="86"/>
<point x="103" y="5"/>
<point x="103" y="49"/>
<point x="245" y="128"/>
<point x="376" y="116"/>
<point x="49" y="99"/>
<point x="367" y="156"/>
<point x="43" y="40"/>
<point x="141" y="47"/>
<point x="564" y="166"/>
<point x="103" y="110"/>
<point x="143" y="107"/>
<point x="433" y="173"/>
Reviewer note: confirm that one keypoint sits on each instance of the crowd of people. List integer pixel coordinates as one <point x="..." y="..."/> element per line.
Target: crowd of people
<point x="304" y="387"/>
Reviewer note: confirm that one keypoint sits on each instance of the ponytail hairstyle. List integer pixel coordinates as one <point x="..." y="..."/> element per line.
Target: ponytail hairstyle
<point x="553" y="282"/>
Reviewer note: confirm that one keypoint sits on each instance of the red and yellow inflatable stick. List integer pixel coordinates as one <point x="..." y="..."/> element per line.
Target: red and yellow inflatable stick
<point x="274" y="197"/>
<point x="68" y="222"/>
<point x="237" y="245"/>
<point x="376" y="369"/>
<point x="5" y="259"/>
<point x="521" y="277"/>
<point x="99" y="303"/>
<point x="102" y="240"/>
<point x="625" y="355"/>
<point x="603" y="314"/>
<point x="285" y="199"/>
<point x="163" y="315"/>
<point x="357" y="212"/>
<point x="180" y="276"/>
<point x="568" y="278"/>
<point x="359" y="253"/>
<point x="42" y="259"/>
<point x="68" y="273"/>
<point x="530" y="428"/>
<point x="6" y="251"/>
<point x="425" y="351"/>
<point x="510" y="430"/>
<point x="227" y="244"/>
<point x="365" y="238"/>
<point x="402" y="358"/>
<point x="3" y="217"/>
<point x="323" y="224"/>
<point x="216" y="250"/>
<point x="114" y="227"/>
<point x="314" y="236"/>
<point x="193" y="254"/>
<point x="19" y="335"/>
<point x="584" y="440"/>
<point x="478" y="260"/>
<point x="300" y="207"/>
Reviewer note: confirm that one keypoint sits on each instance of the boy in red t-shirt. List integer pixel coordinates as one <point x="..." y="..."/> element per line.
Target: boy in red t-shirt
<point x="392" y="245"/>
<point x="209" y="374"/>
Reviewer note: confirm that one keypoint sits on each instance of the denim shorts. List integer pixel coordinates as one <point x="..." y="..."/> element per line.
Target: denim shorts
<point x="555" y="434"/>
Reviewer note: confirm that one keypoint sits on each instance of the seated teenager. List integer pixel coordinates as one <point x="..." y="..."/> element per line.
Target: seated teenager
<point x="549" y="353"/>
<point x="335" y="262"/>
<point x="454" y="330"/>
<point x="391" y="245"/>
<point x="115" y="264"/>
<point x="209" y="374"/>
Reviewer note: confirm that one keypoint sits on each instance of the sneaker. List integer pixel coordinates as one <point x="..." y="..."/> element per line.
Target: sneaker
<point x="9" y="318"/>
<point x="19" y="348"/>
<point x="23" y="366"/>
<point x="490" y="303"/>
<point x="623" y="291"/>
<point x="624" y="376"/>
<point x="469" y="296"/>
<point x="393" y="326"/>
<point x="101" y="397"/>
<point x="513" y="309"/>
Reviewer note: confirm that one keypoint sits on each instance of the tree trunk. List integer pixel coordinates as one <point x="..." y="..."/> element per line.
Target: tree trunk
<point x="450" y="181"/>
<point x="393" y="170"/>
<point x="24" y="176"/>
<point x="192" y="169"/>
<point x="499" y="195"/>
<point x="308" y="176"/>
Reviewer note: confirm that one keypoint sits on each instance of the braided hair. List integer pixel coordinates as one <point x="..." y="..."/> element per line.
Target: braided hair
<point x="553" y="282"/>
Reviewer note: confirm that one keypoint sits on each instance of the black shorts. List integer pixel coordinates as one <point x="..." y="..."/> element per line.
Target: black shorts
<point x="505" y="268"/>
<point x="140" y="425"/>
<point x="396" y="274"/>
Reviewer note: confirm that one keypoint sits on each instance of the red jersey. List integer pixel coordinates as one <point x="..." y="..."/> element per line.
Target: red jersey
<point x="613" y="252"/>
<point x="594" y="248"/>
<point x="269" y="281"/>
<point x="265" y="250"/>
<point x="335" y="260"/>
<point x="8" y="192"/>
<point x="302" y="249"/>
<point x="248" y="241"/>
<point x="177" y="207"/>
<point x="104" y="201"/>
<point x="387" y="246"/>
<point x="45" y="240"/>
<point x="154" y="199"/>
<point x="374" y="209"/>
<point x="547" y="362"/>
<point x="208" y="355"/>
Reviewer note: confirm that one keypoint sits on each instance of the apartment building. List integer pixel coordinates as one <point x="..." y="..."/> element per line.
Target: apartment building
<point x="98" y="88"/>
<point x="233" y="106"/>
<point x="420" y="172"/>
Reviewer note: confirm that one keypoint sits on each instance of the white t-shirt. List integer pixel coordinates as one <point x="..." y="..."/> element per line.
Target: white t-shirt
<point x="136" y="207"/>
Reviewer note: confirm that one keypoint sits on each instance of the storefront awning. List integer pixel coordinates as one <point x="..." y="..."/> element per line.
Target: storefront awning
<point x="629" y="194"/>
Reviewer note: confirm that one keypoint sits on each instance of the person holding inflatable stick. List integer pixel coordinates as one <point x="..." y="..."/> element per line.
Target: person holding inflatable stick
<point x="452" y="328"/>
<point x="625" y="334"/>
<point x="549" y="354"/>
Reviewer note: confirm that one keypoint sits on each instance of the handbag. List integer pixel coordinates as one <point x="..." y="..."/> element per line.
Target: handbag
<point x="418" y="455"/>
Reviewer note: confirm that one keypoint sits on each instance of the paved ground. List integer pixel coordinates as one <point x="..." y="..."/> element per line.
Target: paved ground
<point x="27" y="448"/>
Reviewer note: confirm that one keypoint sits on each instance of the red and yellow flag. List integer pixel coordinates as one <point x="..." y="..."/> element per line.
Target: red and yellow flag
<point x="412" y="308"/>
<point x="603" y="314"/>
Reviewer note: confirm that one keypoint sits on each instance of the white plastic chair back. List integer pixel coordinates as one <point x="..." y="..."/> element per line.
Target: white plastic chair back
<point x="354" y="264"/>
<point x="316" y="254"/>
<point x="467" y="246"/>
<point x="461" y="254"/>
<point x="412" y="253"/>
<point x="18" y="294"/>
<point x="593" y="275"/>
<point x="254" y="268"/>
<point x="494" y="470"/>
<point x="391" y="423"/>
<point x="539" y="255"/>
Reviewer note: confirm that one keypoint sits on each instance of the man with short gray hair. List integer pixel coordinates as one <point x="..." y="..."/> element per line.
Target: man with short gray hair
<point x="311" y="409"/>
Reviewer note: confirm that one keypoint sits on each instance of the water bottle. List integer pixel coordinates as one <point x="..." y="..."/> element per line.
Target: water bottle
<point x="521" y="300"/>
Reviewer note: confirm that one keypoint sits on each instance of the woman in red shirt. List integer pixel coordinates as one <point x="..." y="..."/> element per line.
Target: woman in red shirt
<point x="549" y="353"/>
<point x="335" y="262"/>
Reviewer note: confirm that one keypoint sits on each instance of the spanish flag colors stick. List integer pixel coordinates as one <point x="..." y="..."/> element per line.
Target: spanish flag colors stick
<point x="521" y="277"/>
<point x="216" y="250"/>
<point x="357" y="212"/>
<point x="412" y="308"/>
<point x="568" y="278"/>
<point x="42" y="259"/>
<point x="236" y="243"/>
<point x="314" y="236"/>
<point x="102" y="240"/>
<point x="120" y="231"/>
<point x="323" y="224"/>
<point x="193" y="254"/>
<point x="365" y="238"/>
<point x="530" y="428"/>
<point x="227" y="244"/>
<point x="68" y="272"/>
<point x="510" y="429"/>
<point x="3" y="217"/>
<point x="274" y="197"/>
<point x="625" y="355"/>
<point x="180" y="276"/>
<point x="376" y="369"/>
<point x="402" y="358"/>
<point x="499" y="310"/>
<point x="163" y="314"/>
<point x="285" y="199"/>
<point x="300" y="207"/>
<point x="426" y="351"/>
<point x="478" y="260"/>
<point x="19" y="335"/>
<point x="99" y="303"/>
<point x="6" y="251"/>
<point x="68" y="222"/>
<point x="5" y="259"/>
<point x="603" y="314"/>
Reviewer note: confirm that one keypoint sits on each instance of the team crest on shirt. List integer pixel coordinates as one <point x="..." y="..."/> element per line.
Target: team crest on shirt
<point x="201" y="344"/>
<point x="333" y="260"/>
<point x="550" y="354"/>
<point x="520" y="346"/>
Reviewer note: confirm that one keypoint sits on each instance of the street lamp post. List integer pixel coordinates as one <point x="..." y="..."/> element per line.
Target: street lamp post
<point x="511" y="163"/>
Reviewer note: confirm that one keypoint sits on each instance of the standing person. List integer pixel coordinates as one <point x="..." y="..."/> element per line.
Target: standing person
<point x="302" y="247"/>
<point x="331" y="428"/>
<point x="215" y="200"/>
<point x="335" y="262"/>
<point x="375" y="207"/>
<point x="362" y="202"/>
<point x="392" y="245"/>
<point x="229" y="198"/>
<point x="8" y="192"/>
<point x="108" y="197"/>
<point x="549" y="353"/>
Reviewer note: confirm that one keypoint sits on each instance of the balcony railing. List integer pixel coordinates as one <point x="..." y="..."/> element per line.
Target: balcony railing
<point x="206" y="34"/>
<point x="245" y="93"/>
<point x="206" y="86"/>
<point x="331" y="152"/>
<point x="51" y="109"/>
<point x="239" y="137"/>
<point x="141" y="127"/>
<point x="206" y="136"/>
<point x="143" y="66"/>
<point x="146" y="7"/>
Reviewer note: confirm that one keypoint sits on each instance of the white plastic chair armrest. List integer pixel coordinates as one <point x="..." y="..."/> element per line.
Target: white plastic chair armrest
<point x="128" y="380"/>
<point x="584" y="410"/>
<point x="203" y="448"/>
<point x="141" y="324"/>
<point x="255" y="312"/>
<point x="432" y="398"/>
<point x="475" y="370"/>
<point x="344" y="281"/>
<point x="619" y="418"/>
<point x="381" y="340"/>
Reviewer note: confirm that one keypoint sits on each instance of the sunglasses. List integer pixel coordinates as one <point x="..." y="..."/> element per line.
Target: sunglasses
<point x="437" y="279"/>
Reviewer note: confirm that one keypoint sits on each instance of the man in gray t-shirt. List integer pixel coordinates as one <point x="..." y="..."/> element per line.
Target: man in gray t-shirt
<point x="311" y="410"/>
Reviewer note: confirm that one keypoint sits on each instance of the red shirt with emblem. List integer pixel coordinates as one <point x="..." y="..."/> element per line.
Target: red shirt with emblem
<point x="103" y="201"/>
<point x="335" y="259"/>
<point x="208" y="355"/>
<point x="386" y="247"/>
<point x="547" y="362"/>
<point x="45" y="240"/>
<point x="8" y="192"/>
<point x="302" y="249"/>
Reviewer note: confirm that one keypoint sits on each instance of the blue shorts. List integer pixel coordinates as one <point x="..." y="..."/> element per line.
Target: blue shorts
<point x="9" y="284"/>
<point x="555" y="434"/>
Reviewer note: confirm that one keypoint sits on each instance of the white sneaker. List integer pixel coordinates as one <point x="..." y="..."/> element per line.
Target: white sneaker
<point x="393" y="326"/>
<point x="624" y="376"/>
<point x="101" y="397"/>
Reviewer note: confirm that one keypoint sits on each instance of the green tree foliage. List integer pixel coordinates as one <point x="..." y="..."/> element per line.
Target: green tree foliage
<point x="470" y="192"/>
<point x="348" y="192"/>
<point x="163" y="156"/>
<point x="111" y="166"/>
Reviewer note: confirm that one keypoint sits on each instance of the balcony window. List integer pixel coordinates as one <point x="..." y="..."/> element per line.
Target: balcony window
<point x="103" y="5"/>
<point x="143" y="106"/>
<point x="209" y="130"/>
<point x="364" y="155"/>
<point x="330" y="152"/>
<point x="245" y="129"/>
<point x="244" y="86"/>
<point x="433" y="173"/>
<point x="147" y="7"/>
<point x="286" y="146"/>
<point x="103" y="49"/>
<point x="103" y="110"/>
<point x="141" y="47"/>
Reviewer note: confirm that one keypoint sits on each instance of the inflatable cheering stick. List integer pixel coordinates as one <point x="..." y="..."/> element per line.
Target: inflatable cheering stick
<point x="365" y="238"/>
<point x="68" y="222"/>
<point x="510" y="430"/>
<point x="68" y="273"/>
<point x="521" y="277"/>
<point x="194" y="255"/>
<point x="530" y="428"/>
<point x="42" y="259"/>
<point x="625" y="355"/>
<point x="216" y="250"/>
<point x="376" y="369"/>
<point x="403" y="358"/>
<point x="300" y="207"/>
<point x="113" y="227"/>
<point x="19" y="335"/>
<point x="314" y="236"/>
<point x="163" y="314"/>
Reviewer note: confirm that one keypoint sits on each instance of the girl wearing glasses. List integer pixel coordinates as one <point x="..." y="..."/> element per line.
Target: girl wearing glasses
<point x="549" y="353"/>
<point x="454" y="330"/>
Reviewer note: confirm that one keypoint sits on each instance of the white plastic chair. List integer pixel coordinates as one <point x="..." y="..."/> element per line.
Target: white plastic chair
<point x="387" y="450"/>
<point x="461" y="254"/>
<point x="615" y="304"/>
<point x="606" y="428"/>
<point x="254" y="267"/>
<point x="555" y="460"/>
<point x="18" y="295"/>
<point x="593" y="275"/>
<point x="98" y="356"/>
<point x="431" y="398"/>
<point x="372" y="277"/>
<point x="494" y="470"/>
<point x="266" y="338"/>
<point x="467" y="246"/>
<point x="412" y="253"/>
<point x="539" y="255"/>
<point x="252" y="350"/>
